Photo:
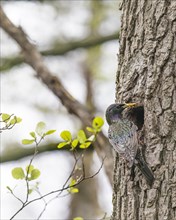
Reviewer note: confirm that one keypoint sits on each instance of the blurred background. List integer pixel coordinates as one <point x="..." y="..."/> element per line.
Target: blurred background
<point x="88" y="73"/>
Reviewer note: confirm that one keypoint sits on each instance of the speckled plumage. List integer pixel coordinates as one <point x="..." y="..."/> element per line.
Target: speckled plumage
<point x="123" y="136"/>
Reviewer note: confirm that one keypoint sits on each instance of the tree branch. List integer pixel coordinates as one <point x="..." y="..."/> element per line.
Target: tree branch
<point x="34" y="59"/>
<point x="17" y="152"/>
<point x="60" y="49"/>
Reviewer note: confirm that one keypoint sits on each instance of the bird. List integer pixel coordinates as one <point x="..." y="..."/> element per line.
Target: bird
<point x="125" y="120"/>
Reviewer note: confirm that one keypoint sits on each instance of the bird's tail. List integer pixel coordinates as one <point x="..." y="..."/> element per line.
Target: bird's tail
<point x="141" y="164"/>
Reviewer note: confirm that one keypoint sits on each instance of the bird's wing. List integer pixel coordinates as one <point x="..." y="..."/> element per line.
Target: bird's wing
<point x="123" y="137"/>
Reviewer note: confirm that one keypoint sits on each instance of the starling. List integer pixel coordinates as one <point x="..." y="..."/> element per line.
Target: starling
<point x="123" y="135"/>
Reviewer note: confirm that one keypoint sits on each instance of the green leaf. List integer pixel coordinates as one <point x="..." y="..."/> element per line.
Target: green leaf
<point x="5" y="117"/>
<point x="40" y="128"/>
<point x="27" y="141"/>
<point x="90" y="129"/>
<point x="29" y="169"/>
<point x="18" y="120"/>
<point x="18" y="173"/>
<point x="73" y="190"/>
<point x="97" y="122"/>
<point x="78" y="218"/>
<point x="49" y="132"/>
<point x="35" y="173"/>
<point x="85" y="145"/>
<point x="72" y="182"/>
<point x="32" y="133"/>
<point x="81" y="136"/>
<point x="66" y="135"/>
<point x="30" y="191"/>
<point x="74" y="143"/>
<point x="9" y="189"/>
<point x="15" y="120"/>
<point x="62" y="144"/>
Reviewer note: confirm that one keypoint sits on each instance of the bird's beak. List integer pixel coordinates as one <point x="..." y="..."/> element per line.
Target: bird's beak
<point x="130" y="105"/>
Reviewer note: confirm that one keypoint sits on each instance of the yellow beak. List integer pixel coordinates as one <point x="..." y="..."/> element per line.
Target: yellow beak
<point x="127" y="105"/>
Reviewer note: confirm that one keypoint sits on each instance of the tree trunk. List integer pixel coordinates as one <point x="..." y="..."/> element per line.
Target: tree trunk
<point x="147" y="74"/>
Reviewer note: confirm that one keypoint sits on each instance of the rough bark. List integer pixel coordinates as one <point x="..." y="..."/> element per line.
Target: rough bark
<point x="147" y="74"/>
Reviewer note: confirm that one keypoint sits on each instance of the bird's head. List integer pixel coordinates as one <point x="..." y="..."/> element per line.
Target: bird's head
<point x="114" y="111"/>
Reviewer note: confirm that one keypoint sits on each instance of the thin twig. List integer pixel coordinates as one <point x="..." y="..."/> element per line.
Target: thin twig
<point x="44" y="205"/>
<point x="60" y="190"/>
<point x="26" y="178"/>
<point x="16" y="197"/>
<point x="68" y="178"/>
<point x="8" y="126"/>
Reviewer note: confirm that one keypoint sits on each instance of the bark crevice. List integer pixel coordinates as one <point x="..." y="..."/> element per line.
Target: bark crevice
<point x="147" y="74"/>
